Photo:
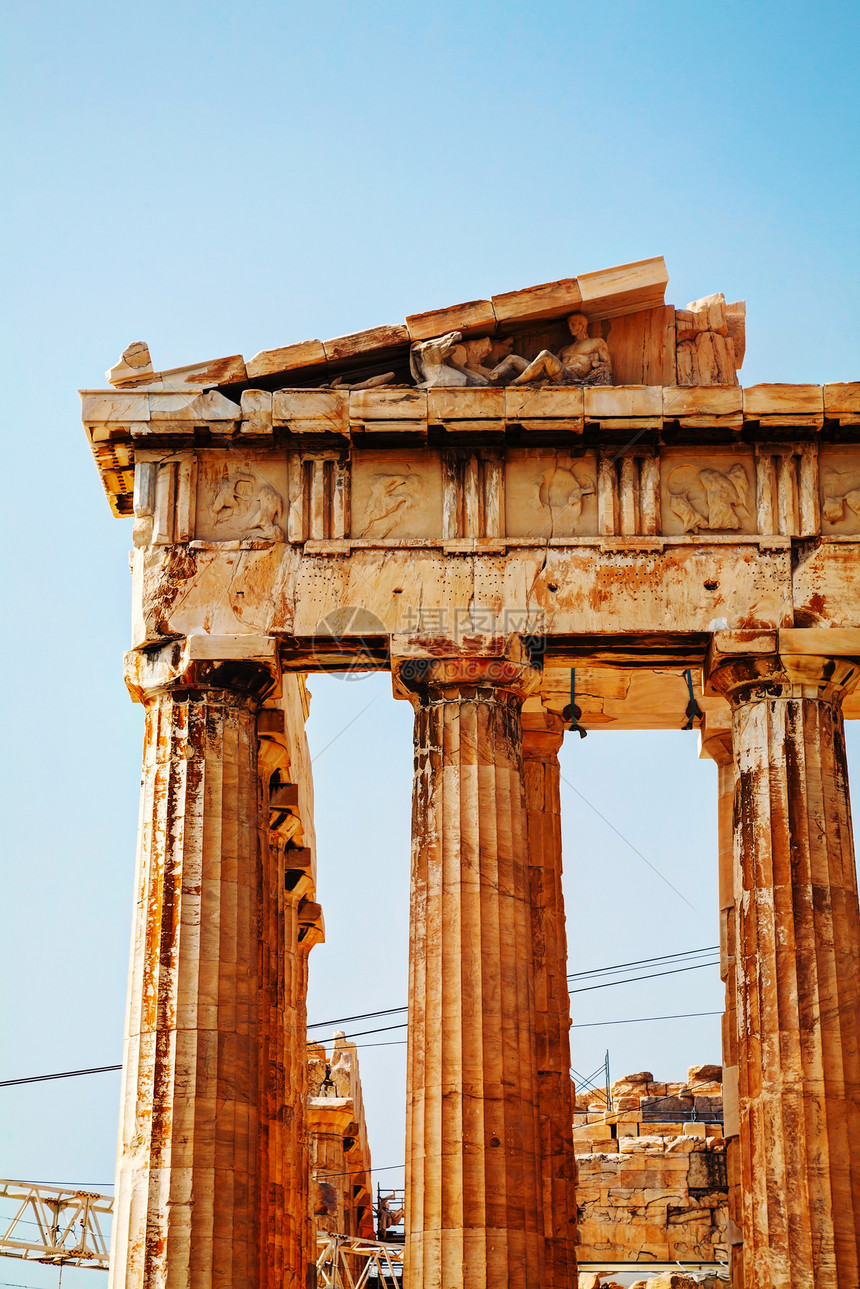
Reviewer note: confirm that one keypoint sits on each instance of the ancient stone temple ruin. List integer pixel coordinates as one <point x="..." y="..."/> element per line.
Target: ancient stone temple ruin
<point x="341" y="1187"/>
<point x="652" y="1182"/>
<point x="547" y="511"/>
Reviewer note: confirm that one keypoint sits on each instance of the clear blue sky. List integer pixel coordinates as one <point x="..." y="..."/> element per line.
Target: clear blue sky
<point x="218" y="179"/>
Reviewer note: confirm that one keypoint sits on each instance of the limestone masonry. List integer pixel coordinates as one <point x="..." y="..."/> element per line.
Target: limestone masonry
<point x="548" y="511"/>
<point x="652" y="1171"/>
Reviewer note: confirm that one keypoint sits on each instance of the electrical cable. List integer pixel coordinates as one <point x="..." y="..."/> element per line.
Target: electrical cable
<point x="644" y="962"/>
<point x="587" y="1024"/>
<point x="64" y="1074"/>
<point x="632" y="980"/>
<point x="361" y="1033"/>
<point x="639" y="962"/>
<point x="105" y="1069"/>
<point x="355" y="1172"/>
<point x="640" y="1020"/>
<point x="343" y="1020"/>
<point x="605" y="984"/>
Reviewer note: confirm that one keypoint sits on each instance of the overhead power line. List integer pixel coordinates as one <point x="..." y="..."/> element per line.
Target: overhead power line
<point x="391" y="1011"/>
<point x="573" y="975"/>
<point x="632" y="980"/>
<point x="64" y="1074"/>
<point x="639" y="1020"/>
<point x="344" y="1020"/>
<point x="644" y="962"/>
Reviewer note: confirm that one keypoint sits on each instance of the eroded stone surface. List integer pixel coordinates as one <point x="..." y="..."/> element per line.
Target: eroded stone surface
<point x="542" y="737"/>
<point x="795" y="936"/>
<point x="653" y="545"/>
<point x="652" y="1174"/>
<point x="216" y="1008"/>
<point x="474" y="1212"/>
<point x="341" y="1196"/>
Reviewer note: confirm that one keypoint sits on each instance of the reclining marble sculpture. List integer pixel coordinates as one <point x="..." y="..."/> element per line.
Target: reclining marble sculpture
<point x="450" y="361"/>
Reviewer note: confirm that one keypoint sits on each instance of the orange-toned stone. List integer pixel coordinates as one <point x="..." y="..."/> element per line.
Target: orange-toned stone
<point x="542" y="738"/>
<point x="474" y="1214"/>
<point x="796" y="935"/>
<point x="717" y="744"/>
<point x="212" y="1164"/>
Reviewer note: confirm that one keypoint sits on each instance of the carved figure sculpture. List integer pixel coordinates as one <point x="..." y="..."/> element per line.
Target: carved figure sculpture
<point x="391" y="496"/>
<point x="341" y="1069"/>
<point x="372" y="382"/>
<point x="429" y="362"/>
<point x="841" y="492"/>
<point x="562" y="493"/>
<point x="386" y="1216"/>
<point x="585" y="362"/>
<point x="708" y="498"/>
<point x="266" y="520"/>
<point x="473" y="356"/>
<point x="450" y="360"/>
<point x="228" y="499"/>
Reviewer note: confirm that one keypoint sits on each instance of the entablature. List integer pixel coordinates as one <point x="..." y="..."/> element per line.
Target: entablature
<point x="321" y="424"/>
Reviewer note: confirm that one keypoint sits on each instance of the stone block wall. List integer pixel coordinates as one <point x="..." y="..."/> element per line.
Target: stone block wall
<point x="652" y="1171"/>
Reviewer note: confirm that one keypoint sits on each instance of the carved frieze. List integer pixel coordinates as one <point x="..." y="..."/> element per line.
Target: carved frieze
<point x="708" y="492"/>
<point x="550" y="494"/>
<point x="476" y="493"/>
<point x="840" y="492"/>
<point x="241" y="497"/>
<point x="396" y="494"/>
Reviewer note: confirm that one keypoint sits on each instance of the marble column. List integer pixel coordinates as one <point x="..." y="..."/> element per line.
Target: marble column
<point x="289" y="927"/>
<point x="797" y="960"/>
<point x="542" y="739"/>
<point x="200" y="1195"/>
<point x="474" y="1216"/>
<point x="716" y="743"/>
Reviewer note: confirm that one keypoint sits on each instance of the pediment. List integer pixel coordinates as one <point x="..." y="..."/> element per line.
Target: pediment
<point x="638" y="338"/>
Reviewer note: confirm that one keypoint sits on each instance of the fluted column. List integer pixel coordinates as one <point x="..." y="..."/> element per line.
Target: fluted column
<point x="473" y="1161"/>
<point x="797" y="937"/>
<point x="542" y="738"/>
<point x="716" y="743"/>
<point x="195" y="1203"/>
<point x="301" y="1223"/>
<point x="286" y="936"/>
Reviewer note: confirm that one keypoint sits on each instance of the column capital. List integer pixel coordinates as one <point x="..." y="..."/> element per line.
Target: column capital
<point x="421" y="667"/>
<point x="244" y="665"/>
<point x="753" y="666"/>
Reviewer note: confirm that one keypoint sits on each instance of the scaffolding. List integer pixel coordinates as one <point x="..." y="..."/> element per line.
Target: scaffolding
<point x="53" y="1224"/>
<point x="348" y="1262"/>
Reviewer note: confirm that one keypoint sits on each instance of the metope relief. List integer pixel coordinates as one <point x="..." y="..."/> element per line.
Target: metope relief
<point x="240" y="500"/>
<point x="710" y="494"/>
<point x="396" y="495"/>
<point x="550" y="495"/>
<point x="840" y="493"/>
